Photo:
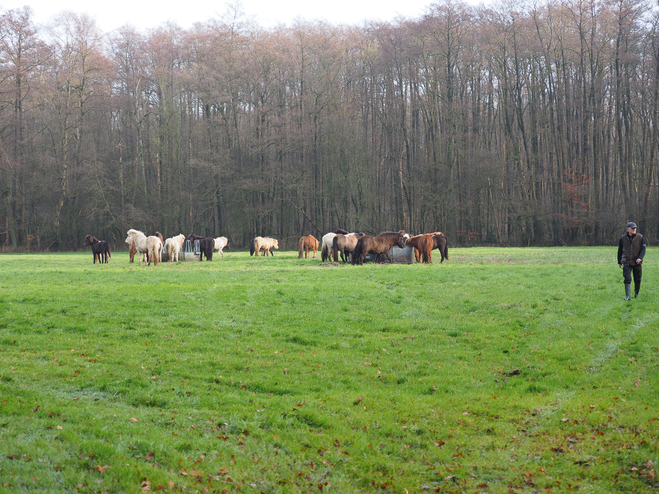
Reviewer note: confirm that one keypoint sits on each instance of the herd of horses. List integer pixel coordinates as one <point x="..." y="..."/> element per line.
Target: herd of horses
<point x="351" y="247"/>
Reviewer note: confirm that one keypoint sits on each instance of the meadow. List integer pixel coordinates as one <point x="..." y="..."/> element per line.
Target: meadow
<point x="500" y="370"/>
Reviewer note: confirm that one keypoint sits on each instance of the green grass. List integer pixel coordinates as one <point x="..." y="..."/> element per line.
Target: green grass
<point x="501" y="370"/>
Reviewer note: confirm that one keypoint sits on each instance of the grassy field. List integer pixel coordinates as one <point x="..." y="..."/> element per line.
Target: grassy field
<point x="501" y="370"/>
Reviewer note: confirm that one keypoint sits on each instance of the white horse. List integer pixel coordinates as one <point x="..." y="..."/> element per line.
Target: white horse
<point x="221" y="243"/>
<point x="138" y="239"/>
<point x="154" y="249"/>
<point x="173" y="247"/>
<point x="146" y="246"/>
<point x="326" y="248"/>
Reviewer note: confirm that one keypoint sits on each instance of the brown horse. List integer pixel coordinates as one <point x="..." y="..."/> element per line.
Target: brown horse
<point x="206" y="245"/>
<point x="307" y="244"/>
<point x="380" y="244"/>
<point x="100" y="249"/>
<point x="422" y="247"/>
<point x="439" y="242"/>
<point x="345" y="245"/>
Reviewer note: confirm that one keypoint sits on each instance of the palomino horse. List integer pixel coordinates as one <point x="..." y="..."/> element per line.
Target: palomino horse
<point x="146" y="246"/>
<point x="265" y="244"/>
<point x="206" y="245"/>
<point x="422" y="247"/>
<point x="173" y="247"/>
<point x="307" y="244"/>
<point x="380" y="244"/>
<point x="220" y="244"/>
<point x="100" y="249"/>
<point x="345" y="244"/>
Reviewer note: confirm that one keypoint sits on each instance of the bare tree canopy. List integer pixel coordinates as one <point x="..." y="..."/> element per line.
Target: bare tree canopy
<point x="534" y="125"/>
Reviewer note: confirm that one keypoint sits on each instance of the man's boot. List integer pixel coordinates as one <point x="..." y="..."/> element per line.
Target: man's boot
<point x="637" y="288"/>
<point x="628" y="291"/>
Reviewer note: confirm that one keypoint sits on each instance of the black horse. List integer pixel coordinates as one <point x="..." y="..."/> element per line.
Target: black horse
<point x="100" y="249"/>
<point x="206" y="245"/>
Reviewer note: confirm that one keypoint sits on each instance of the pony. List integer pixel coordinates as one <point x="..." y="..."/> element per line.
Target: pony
<point x="221" y="243"/>
<point x="173" y="247"/>
<point x="265" y="244"/>
<point x="100" y="249"/>
<point x="440" y="243"/>
<point x="206" y="245"/>
<point x="423" y="245"/>
<point x="345" y="244"/>
<point x="149" y="247"/>
<point x="381" y="244"/>
<point x="307" y="244"/>
<point x="326" y="248"/>
<point x="154" y="249"/>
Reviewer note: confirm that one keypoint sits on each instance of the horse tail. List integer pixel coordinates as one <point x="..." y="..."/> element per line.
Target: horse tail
<point x="252" y="246"/>
<point x="335" y="249"/>
<point x="300" y="248"/>
<point x="324" y="254"/>
<point x="446" y="251"/>
<point x="357" y="253"/>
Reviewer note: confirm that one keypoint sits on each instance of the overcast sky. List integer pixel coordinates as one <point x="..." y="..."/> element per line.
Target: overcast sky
<point x="111" y="14"/>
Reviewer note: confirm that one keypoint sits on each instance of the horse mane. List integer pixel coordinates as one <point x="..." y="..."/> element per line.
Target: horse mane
<point x="390" y="235"/>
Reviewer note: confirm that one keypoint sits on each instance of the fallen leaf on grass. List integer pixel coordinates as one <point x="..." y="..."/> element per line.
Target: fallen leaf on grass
<point x="133" y="419"/>
<point x="101" y="469"/>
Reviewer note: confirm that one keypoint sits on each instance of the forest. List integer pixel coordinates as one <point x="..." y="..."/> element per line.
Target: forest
<point x="505" y="124"/>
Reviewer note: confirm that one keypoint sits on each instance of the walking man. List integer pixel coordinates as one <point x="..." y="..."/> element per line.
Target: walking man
<point x="631" y="251"/>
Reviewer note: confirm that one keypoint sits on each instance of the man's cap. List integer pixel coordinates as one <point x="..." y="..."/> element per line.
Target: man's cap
<point x="631" y="224"/>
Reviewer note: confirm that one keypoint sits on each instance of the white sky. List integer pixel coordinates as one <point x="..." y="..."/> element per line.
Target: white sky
<point x="143" y="15"/>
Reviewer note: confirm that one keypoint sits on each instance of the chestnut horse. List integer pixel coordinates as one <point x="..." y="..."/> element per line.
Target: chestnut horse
<point x="422" y="247"/>
<point x="206" y="245"/>
<point x="306" y="245"/>
<point x="100" y="249"/>
<point x="380" y="244"/>
<point x="345" y="244"/>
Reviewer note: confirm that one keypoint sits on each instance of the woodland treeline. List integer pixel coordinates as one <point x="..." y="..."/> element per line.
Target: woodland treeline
<point x="496" y="124"/>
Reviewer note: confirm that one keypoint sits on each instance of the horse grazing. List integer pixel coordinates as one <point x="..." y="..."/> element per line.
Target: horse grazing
<point x="100" y="249"/>
<point x="423" y="245"/>
<point x="326" y="247"/>
<point x="265" y="244"/>
<point x="145" y="246"/>
<point x="439" y="242"/>
<point x="345" y="244"/>
<point x="173" y="247"/>
<point x="220" y="244"/>
<point x="381" y="244"/>
<point x="307" y="244"/>
<point x="206" y="246"/>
